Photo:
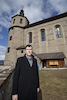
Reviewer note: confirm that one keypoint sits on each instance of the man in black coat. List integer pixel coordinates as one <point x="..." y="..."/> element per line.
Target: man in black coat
<point x="26" y="78"/>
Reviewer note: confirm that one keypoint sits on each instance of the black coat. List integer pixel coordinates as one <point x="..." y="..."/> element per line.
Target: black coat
<point x="25" y="79"/>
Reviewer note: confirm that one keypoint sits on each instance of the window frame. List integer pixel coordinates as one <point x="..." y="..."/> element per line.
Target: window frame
<point x="58" y="31"/>
<point x="10" y="38"/>
<point x="30" y="40"/>
<point x="43" y="35"/>
<point x="21" y="20"/>
<point x="21" y="51"/>
<point x="8" y="49"/>
<point x="13" y="21"/>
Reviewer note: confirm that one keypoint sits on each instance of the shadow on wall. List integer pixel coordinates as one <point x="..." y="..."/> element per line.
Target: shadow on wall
<point x="39" y="95"/>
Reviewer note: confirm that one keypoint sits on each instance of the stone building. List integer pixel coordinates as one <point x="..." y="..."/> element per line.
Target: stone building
<point x="48" y="38"/>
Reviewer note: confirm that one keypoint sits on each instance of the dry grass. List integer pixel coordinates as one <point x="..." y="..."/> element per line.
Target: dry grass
<point x="53" y="85"/>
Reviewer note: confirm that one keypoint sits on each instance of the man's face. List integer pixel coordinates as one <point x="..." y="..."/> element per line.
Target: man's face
<point x="28" y="51"/>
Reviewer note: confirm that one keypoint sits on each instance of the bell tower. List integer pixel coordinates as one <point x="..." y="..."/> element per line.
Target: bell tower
<point x="19" y="20"/>
<point x="16" y="37"/>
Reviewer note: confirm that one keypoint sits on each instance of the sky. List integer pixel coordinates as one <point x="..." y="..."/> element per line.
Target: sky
<point x="34" y="10"/>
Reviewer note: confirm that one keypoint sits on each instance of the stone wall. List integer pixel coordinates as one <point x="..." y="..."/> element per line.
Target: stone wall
<point x="6" y="88"/>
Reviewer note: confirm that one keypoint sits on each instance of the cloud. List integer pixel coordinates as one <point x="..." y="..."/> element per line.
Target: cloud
<point x="2" y="57"/>
<point x="2" y="52"/>
<point x="59" y="5"/>
<point x="5" y="22"/>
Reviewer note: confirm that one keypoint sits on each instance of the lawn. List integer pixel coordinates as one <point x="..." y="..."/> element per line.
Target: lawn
<point x="53" y="85"/>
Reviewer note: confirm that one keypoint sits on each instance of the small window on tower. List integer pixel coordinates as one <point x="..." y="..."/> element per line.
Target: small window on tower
<point x="8" y="50"/>
<point x="21" y="21"/>
<point x="10" y="37"/>
<point x="14" y="21"/>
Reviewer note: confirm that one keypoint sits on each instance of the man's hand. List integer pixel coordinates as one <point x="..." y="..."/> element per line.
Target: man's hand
<point x="38" y="89"/>
<point x="15" y="97"/>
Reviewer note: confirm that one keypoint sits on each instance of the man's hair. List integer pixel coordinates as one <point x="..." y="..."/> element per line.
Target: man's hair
<point x="28" y="45"/>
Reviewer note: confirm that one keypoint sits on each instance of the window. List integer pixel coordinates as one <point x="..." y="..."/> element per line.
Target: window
<point x="58" y="31"/>
<point x="8" y="50"/>
<point x="21" y="51"/>
<point x="10" y="37"/>
<point x="43" y="35"/>
<point x="20" y="20"/>
<point x="55" y="62"/>
<point x="13" y="21"/>
<point x="30" y="37"/>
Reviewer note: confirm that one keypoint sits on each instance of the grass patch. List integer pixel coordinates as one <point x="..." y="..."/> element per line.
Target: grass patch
<point x="53" y="84"/>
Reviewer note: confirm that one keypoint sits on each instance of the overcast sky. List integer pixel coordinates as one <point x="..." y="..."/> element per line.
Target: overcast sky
<point x="34" y="10"/>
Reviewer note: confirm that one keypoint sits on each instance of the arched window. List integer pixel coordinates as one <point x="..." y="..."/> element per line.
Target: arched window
<point x="42" y="34"/>
<point x="21" y="21"/>
<point x="30" y="37"/>
<point x="10" y="37"/>
<point x="13" y="21"/>
<point x="8" y="50"/>
<point x="58" y="31"/>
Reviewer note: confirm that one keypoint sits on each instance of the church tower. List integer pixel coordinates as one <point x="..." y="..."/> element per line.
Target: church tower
<point x="16" y="37"/>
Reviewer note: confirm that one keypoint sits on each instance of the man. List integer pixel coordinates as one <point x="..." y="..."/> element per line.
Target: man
<point x="26" y="78"/>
